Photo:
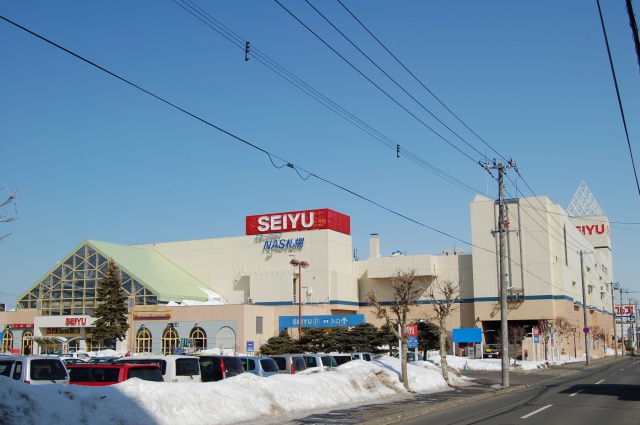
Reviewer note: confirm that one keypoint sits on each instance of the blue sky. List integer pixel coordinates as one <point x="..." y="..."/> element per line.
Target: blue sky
<point x="98" y="159"/>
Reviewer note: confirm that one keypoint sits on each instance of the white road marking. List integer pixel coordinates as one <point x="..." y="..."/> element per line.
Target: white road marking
<point x="533" y="413"/>
<point x="578" y="392"/>
<point x="599" y="382"/>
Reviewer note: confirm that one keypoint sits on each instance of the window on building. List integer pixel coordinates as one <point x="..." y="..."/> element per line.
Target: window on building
<point x="70" y="289"/>
<point x="198" y="338"/>
<point x="26" y="343"/>
<point x="170" y="340"/>
<point x="7" y="340"/>
<point x="226" y="338"/>
<point x="143" y="341"/>
<point x="258" y="325"/>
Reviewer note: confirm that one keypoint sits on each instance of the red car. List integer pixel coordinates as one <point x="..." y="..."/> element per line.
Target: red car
<point x="111" y="373"/>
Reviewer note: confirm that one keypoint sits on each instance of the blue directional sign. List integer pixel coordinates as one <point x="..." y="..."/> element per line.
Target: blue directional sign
<point x="413" y="342"/>
<point x="324" y="321"/>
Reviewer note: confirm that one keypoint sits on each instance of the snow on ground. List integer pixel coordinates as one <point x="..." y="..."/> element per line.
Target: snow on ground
<point x="242" y="398"/>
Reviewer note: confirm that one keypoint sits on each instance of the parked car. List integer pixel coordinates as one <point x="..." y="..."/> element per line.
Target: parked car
<point x="361" y="356"/>
<point x="289" y="363"/>
<point x="411" y="356"/>
<point x="71" y="360"/>
<point x="319" y="360"/>
<point x="216" y="368"/>
<point x="74" y="355"/>
<point x="492" y="351"/>
<point x="261" y="366"/>
<point x="34" y="370"/>
<point x="105" y="359"/>
<point x="93" y="374"/>
<point x="342" y="358"/>
<point x="174" y="368"/>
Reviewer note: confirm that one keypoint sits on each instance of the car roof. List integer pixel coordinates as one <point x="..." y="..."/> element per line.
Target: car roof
<point x="115" y="365"/>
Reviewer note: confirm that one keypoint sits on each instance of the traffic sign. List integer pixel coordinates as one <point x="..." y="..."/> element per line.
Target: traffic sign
<point x="413" y="342"/>
<point x="585" y="330"/>
<point x="250" y="347"/>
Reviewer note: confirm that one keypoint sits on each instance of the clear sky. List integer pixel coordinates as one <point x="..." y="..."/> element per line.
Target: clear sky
<point x="99" y="159"/>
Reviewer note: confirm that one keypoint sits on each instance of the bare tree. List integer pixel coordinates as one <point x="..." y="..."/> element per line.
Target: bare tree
<point x="563" y="328"/>
<point x="405" y="289"/>
<point x="516" y="335"/>
<point x="544" y="325"/>
<point x="598" y="336"/>
<point x="11" y="197"/>
<point x="443" y="297"/>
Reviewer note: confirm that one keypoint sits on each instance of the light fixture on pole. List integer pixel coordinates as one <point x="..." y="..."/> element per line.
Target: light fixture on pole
<point x="300" y="264"/>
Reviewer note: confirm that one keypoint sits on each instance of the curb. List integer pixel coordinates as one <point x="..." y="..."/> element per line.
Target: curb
<point x="397" y="417"/>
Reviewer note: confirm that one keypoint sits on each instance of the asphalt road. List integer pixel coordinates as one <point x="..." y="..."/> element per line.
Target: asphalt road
<point x="607" y="391"/>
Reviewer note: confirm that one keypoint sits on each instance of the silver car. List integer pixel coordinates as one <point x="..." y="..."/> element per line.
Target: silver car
<point x="34" y="370"/>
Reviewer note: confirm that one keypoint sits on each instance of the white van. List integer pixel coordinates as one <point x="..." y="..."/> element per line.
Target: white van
<point x="34" y="370"/>
<point x="174" y="367"/>
<point x="319" y="360"/>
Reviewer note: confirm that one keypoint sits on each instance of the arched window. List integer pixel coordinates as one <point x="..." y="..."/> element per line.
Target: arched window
<point x="143" y="341"/>
<point x="198" y="338"/>
<point x="26" y="343"/>
<point x="226" y="338"/>
<point x="170" y="340"/>
<point x="7" y="340"/>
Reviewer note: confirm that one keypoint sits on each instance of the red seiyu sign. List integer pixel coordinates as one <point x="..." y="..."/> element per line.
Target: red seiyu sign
<point x="295" y="221"/>
<point x="75" y="321"/>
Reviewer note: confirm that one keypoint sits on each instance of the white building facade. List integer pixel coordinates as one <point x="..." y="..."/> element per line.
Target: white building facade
<point x="237" y="292"/>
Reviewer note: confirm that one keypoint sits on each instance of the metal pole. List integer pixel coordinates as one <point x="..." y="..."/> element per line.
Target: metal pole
<point x="504" y="328"/>
<point x="613" y="307"/>
<point x="299" y="300"/>
<point x="587" y="349"/>
<point x="621" y="323"/>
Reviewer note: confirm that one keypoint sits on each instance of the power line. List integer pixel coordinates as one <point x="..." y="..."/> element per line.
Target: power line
<point x="269" y="154"/>
<point x="376" y="85"/>
<point x="239" y="42"/>
<point x="615" y="82"/>
<point x="421" y="83"/>
<point x="393" y="80"/>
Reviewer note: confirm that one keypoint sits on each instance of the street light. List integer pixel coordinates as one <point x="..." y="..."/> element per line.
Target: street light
<point x="300" y="264"/>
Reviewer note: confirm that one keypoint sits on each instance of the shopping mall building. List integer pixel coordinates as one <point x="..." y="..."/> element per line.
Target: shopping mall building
<point x="237" y="292"/>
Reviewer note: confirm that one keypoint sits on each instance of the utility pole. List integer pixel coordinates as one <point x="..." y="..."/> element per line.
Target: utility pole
<point x="621" y="321"/>
<point x="613" y="307"/>
<point x="504" y="328"/>
<point x="587" y="349"/>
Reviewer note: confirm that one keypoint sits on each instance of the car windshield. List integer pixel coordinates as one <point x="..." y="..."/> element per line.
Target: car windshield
<point x="187" y="367"/>
<point x="269" y="365"/>
<point x="233" y="364"/>
<point x="5" y="368"/>
<point x="147" y="374"/>
<point x="47" y="369"/>
<point x="248" y="364"/>
<point x="159" y="362"/>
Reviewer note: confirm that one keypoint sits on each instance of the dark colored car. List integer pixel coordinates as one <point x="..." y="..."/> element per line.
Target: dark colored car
<point x="290" y="363"/>
<point x="107" y="359"/>
<point x="72" y="360"/>
<point x="492" y="351"/>
<point x="111" y="373"/>
<point x="216" y="368"/>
